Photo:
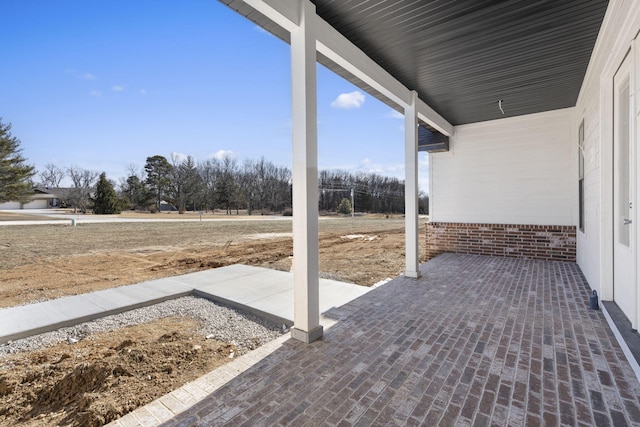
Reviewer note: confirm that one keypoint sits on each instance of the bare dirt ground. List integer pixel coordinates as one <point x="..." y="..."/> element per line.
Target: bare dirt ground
<point x="101" y="379"/>
<point x="40" y="262"/>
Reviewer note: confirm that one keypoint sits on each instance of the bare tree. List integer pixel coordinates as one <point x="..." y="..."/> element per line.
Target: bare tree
<point x="282" y="191"/>
<point x="208" y="172"/>
<point x="83" y="181"/>
<point x="372" y="192"/>
<point x="135" y="170"/>
<point x="247" y="185"/>
<point x="226" y="184"/>
<point x="52" y="175"/>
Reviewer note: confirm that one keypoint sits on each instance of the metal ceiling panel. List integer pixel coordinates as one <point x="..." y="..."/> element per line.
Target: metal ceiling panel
<point x="463" y="56"/>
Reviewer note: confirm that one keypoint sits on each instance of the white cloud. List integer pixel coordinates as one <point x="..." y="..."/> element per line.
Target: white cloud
<point x="142" y="92"/>
<point x="117" y="88"/>
<point x="396" y="170"/>
<point x="423" y="160"/>
<point x="221" y="154"/>
<point x="87" y="76"/>
<point x="96" y="93"/>
<point x="366" y="165"/>
<point x="346" y="101"/>
<point x="396" y="114"/>
<point x="177" y="158"/>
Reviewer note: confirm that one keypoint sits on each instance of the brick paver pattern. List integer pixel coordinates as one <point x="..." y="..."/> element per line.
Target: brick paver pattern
<point x="476" y="341"/>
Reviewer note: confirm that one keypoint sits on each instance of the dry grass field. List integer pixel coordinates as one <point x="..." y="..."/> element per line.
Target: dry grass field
<point x="39" y="262"/>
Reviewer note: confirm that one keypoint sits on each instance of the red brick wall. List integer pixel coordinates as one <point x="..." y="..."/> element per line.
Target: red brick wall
<point x="549" y="242"/>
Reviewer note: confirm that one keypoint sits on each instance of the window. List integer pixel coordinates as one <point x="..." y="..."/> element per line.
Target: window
<point x="581" y="176"/>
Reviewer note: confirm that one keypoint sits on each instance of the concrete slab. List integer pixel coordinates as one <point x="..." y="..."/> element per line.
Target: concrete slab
<point x="247" y="285"/>
<point x="32" y="319"/>
<point x="334" y="293"/>
<point x="19" y="322"/>
<point x="204" y="278"/>
<point x="269" y="293"/>
<point x="130" y="296"/>
<point x="260" y="291"/>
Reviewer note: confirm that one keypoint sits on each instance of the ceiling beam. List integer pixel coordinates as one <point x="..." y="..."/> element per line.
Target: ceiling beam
<point x="340" y="50"/>
<point x="431" y="117"/>
<point x="337" y="48"/>
<point x="285" y="13"/>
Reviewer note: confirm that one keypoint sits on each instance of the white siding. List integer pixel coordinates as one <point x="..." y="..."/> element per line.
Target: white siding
<point x="620" y="26"/>
<point x="511" y="171"/>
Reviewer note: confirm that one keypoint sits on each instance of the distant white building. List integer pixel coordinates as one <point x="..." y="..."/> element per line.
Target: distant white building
<point x="41" y="199"/>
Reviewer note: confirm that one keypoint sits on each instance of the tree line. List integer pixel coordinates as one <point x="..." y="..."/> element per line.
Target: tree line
<point x="223" y="184"/>
<point x="186" y="185"/>
<point x="226" y="184"/>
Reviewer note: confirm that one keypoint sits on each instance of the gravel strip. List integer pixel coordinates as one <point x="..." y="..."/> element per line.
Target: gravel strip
<point x="244" y="330"/>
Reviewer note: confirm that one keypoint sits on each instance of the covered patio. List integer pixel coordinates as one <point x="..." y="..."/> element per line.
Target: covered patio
<point x="524" y="109"/>
<point x="489" y="341"/>
<point x="489" y="89"/>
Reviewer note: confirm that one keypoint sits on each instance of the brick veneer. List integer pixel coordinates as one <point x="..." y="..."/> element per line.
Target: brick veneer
<point x="548" y="242"/>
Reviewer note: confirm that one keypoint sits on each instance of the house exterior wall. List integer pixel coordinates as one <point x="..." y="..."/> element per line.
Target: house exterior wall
<point x="594" y="105"/>
<point x="551" y="243"/>
<point x="524" y="170"/>
<point x="36" y="204"/>
<point x="10" y="205"/>
<point x="517" y="170"/>
<point x="506" y="189"/>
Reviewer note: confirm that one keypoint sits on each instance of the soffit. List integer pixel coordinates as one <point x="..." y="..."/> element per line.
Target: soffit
<point x="463" y="56"/>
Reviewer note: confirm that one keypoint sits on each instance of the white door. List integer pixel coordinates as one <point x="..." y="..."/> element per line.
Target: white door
<point x="623" y="202"/>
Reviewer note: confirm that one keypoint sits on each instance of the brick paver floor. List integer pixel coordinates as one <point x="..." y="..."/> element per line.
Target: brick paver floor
<point x="476" y="341"/>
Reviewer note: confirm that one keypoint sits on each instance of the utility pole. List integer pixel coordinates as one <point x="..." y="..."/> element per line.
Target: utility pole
<point x="353" y="206"/>
<point x="342" y="190"/>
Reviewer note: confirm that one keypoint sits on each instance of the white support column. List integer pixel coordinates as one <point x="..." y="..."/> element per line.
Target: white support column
<point x="306" y="314"/>
<point x="411" y="187"/>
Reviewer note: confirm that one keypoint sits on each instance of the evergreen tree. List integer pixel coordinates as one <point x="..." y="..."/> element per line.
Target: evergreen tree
<point x="15" y="174"/>
<point x="106" y="200"/>
<point x="345" y="206"/>
<point x="159" y="172"/>
<point x="185" y="183"/>
<point x="137" y="193"/>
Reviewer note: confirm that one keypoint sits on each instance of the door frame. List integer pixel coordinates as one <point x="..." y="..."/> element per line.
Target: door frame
<point x="607" y="174"/>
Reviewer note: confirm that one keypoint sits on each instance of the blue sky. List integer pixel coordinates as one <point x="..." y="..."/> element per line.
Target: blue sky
<point x="105" y="84"/>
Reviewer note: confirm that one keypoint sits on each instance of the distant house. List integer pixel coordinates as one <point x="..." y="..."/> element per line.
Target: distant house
<point x="63" y="196"/>
<point x="41" y="199"/>
<point x="167" y="207"/>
